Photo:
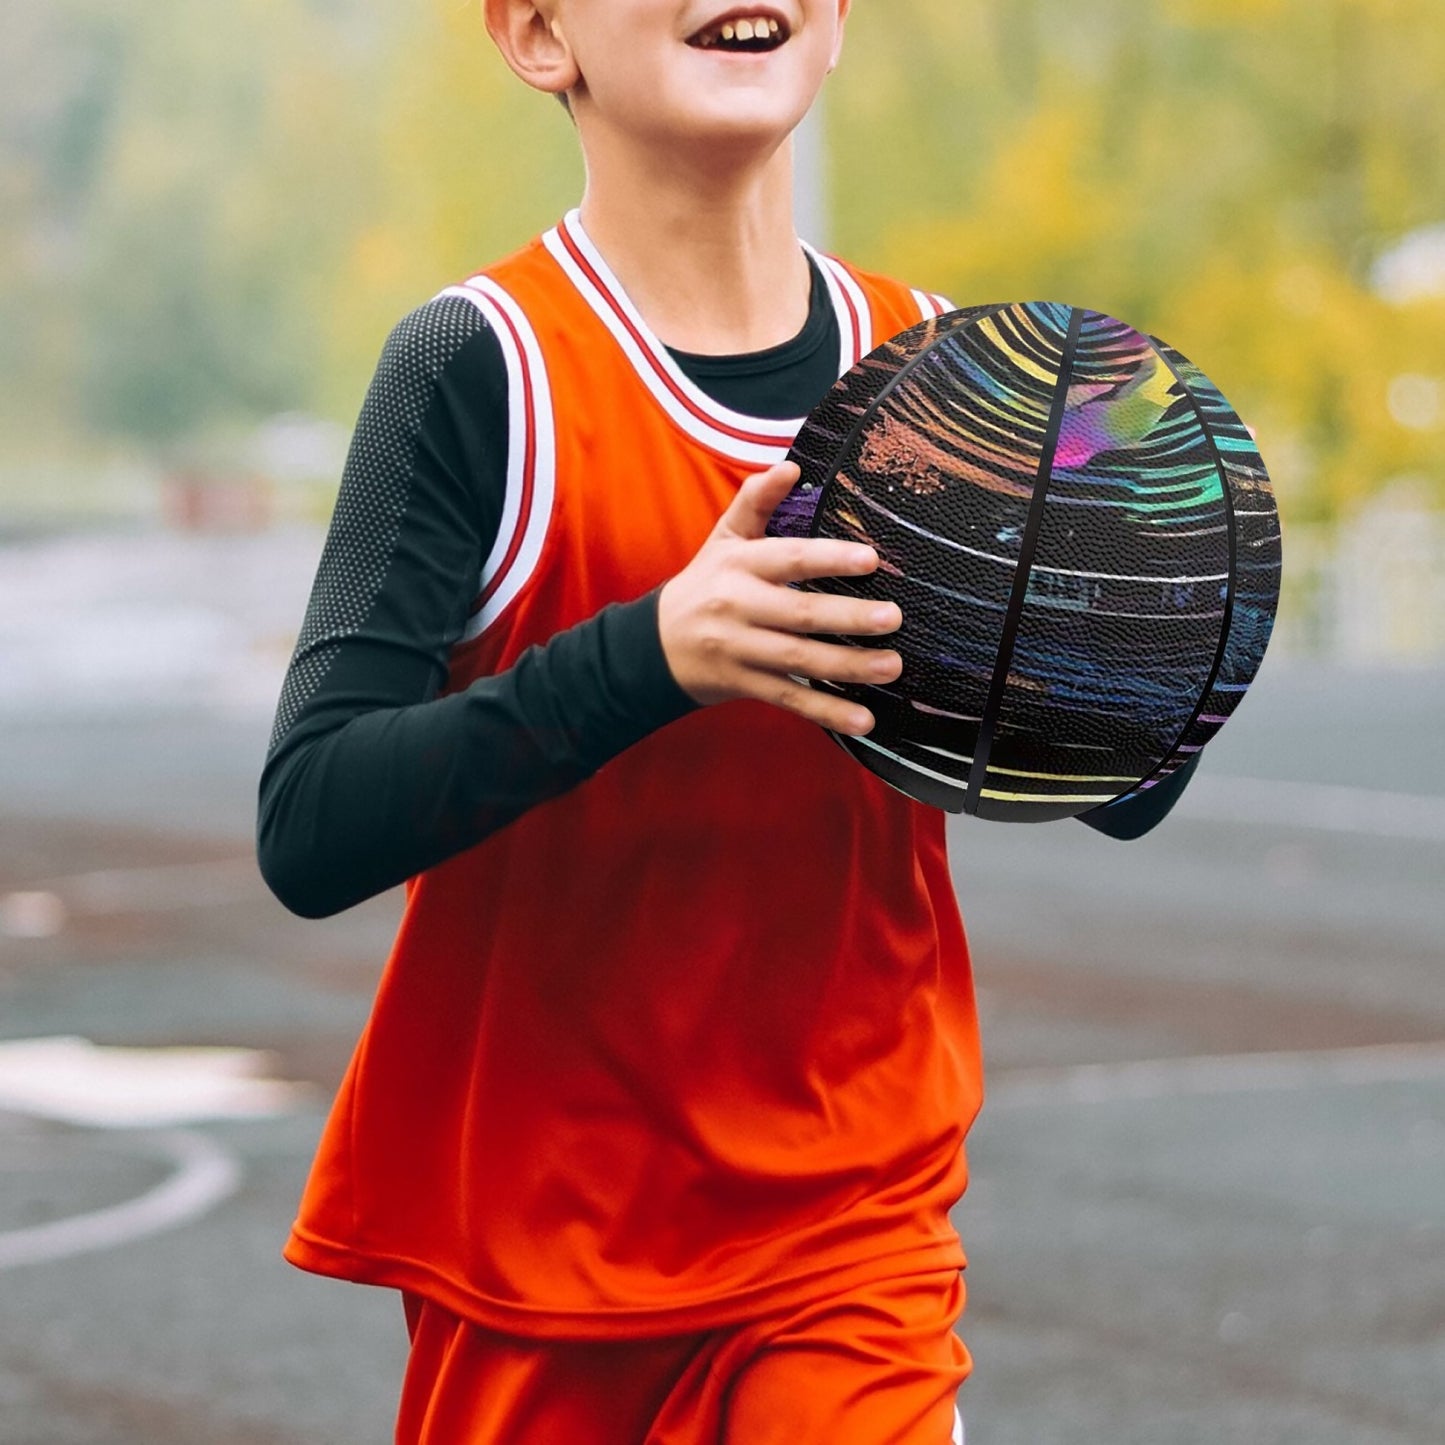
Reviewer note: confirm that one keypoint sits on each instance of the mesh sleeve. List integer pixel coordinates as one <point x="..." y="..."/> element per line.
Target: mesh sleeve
<point x="378" y="487"/>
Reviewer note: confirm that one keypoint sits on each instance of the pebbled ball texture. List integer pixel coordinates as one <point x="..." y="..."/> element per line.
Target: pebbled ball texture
<point x="1083" y="540"/>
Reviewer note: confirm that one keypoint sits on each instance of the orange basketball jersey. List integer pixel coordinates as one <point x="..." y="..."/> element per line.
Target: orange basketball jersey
<point x="697" y="1039"/>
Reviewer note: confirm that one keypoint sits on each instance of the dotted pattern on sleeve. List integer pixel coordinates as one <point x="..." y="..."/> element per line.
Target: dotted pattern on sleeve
<point x="375" y="488"/>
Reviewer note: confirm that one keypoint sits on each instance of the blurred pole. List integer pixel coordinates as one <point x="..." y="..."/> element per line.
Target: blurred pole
<point x="810" y="178"/>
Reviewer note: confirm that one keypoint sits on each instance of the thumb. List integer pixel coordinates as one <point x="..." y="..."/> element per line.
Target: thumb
<point x="757" y="499"/>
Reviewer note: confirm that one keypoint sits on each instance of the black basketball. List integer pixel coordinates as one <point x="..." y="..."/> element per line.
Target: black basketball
<point x="1083" y="540"/>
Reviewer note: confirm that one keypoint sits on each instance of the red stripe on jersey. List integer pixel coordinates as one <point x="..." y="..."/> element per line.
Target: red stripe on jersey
<point x="857" y="321"/>
<point x="529" y="466"/>
<point x="659" y="370"/>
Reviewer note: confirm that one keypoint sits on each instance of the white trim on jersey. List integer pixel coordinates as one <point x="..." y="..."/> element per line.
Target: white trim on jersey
<point x="931" y="306"/>
<point x="759" y="441"/>
<point x="855" y="316"/>
<point x="957" y="1436"/>
<point x="531" y="454"/>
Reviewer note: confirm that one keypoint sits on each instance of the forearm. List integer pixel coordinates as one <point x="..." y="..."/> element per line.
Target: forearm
<point x="350" y="810"/>
<point x="371" y="777"/>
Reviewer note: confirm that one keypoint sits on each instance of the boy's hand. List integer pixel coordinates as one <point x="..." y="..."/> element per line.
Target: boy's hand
<point x="732" y="627"/>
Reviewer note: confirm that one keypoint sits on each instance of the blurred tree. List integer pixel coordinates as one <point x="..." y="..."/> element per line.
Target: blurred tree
<point x="1221" y="173"/>
<point x="209" y="214"/>
<point x="469" y="164"/>
<point x="59" y="88"/>
<point x="218" y="218"/>
<point x="176" y="214"/>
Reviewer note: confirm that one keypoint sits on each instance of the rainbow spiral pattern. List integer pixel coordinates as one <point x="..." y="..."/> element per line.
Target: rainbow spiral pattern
<point x="1082" y="537"/>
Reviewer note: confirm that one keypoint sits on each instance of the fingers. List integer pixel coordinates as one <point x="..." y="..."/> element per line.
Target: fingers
<point x="757" y="499"/>
<point x="731" y="626"/>
<point x="821" y="707"/>
<point x="785" y="609"/>
<point x="808" y="659"/>
<point x="782" y="559"/>
<point x="778" y="668"/>
<point x="804" y="559"/>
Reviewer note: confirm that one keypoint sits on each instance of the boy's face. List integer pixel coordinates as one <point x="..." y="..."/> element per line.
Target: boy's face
<point x="721" y="72"/>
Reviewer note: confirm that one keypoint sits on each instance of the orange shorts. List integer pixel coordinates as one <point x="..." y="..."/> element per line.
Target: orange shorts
<point x="881" y="1366"/>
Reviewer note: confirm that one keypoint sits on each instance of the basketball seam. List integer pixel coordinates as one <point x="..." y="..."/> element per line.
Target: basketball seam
<point x="889" y="387"/>
<point x="1227" y="621"/>
<point x="1033" y="527"/>
<point x="831" y="470"/>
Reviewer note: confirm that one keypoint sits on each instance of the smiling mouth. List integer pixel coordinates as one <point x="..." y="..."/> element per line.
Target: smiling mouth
<point x="747" y="34"/>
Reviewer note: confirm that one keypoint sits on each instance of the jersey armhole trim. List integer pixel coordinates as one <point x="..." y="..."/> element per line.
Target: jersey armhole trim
<point x="531" y="456"/>
<point x="931" y="306"/>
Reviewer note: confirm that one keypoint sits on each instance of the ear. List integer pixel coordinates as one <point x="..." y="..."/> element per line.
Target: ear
<point x="532" y="43"/>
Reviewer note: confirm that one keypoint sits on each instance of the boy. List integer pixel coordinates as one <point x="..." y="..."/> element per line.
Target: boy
<point x="660" y="1111"/>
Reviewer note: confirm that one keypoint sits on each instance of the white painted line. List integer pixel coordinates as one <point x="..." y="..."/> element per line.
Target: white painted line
<point x="1326" y="807"/>
<point x="1216" y="1074"/>
<point x="74" y="1080"/>
<point x="205" y="1175"/>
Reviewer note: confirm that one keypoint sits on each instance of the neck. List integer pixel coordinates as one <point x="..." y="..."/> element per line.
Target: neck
<point x="708" y="254"/>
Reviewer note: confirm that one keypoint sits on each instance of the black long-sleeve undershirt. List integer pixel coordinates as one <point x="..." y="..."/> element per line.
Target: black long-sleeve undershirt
<point x="371" y="777"/>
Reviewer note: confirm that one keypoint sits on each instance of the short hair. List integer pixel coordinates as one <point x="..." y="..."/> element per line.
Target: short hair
<point x="566" y="101"/>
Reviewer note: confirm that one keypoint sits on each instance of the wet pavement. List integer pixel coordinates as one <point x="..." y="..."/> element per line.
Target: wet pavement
<point x="1208" y="1198"/>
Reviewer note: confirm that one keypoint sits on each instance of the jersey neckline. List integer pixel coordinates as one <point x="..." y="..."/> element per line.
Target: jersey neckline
<point x="752" y="439"/>
<point x="813" y="334"/>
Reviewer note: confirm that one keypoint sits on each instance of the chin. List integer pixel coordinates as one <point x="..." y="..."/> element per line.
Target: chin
<point x="736" y="122"/>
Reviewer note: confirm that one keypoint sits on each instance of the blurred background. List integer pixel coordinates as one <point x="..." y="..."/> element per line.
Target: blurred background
<point x="211" y="221"/>
<point x="1209" y="1196"/>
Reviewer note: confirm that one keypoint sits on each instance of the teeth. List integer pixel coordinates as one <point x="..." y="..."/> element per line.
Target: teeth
<point x="759" y="28"/>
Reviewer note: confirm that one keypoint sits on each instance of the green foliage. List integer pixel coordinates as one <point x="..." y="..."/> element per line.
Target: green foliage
<point x="469" y="165"/>
<point x="184" y="189"/>
<point x="208" y="214"/>
<point x="1222" y="173"/>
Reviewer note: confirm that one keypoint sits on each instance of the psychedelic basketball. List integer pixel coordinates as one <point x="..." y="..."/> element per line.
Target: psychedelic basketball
<point x="1083" y="540"/>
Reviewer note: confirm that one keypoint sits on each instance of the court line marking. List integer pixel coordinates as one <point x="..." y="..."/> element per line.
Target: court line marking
<point x="1210" y="798"/>
<point x="1212" y="1075"/>
<point x="1322" y="807"/>
<point x="107" y="1086"/>
<point x="205" y="1175"/>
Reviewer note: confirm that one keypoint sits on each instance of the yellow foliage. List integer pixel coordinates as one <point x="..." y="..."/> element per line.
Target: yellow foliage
<point x="472" y="164"/>
<point x="267" y="188"/>
<point x="1220" y="173"/>
<point x="1035" y="223"/>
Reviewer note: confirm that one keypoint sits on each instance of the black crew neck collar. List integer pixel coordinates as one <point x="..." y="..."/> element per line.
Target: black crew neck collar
<point x="783" y="381"/>
<point x="820" y="324"/>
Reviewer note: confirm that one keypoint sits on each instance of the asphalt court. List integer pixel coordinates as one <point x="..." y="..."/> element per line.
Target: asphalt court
<point x="1208" y="1197"/>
